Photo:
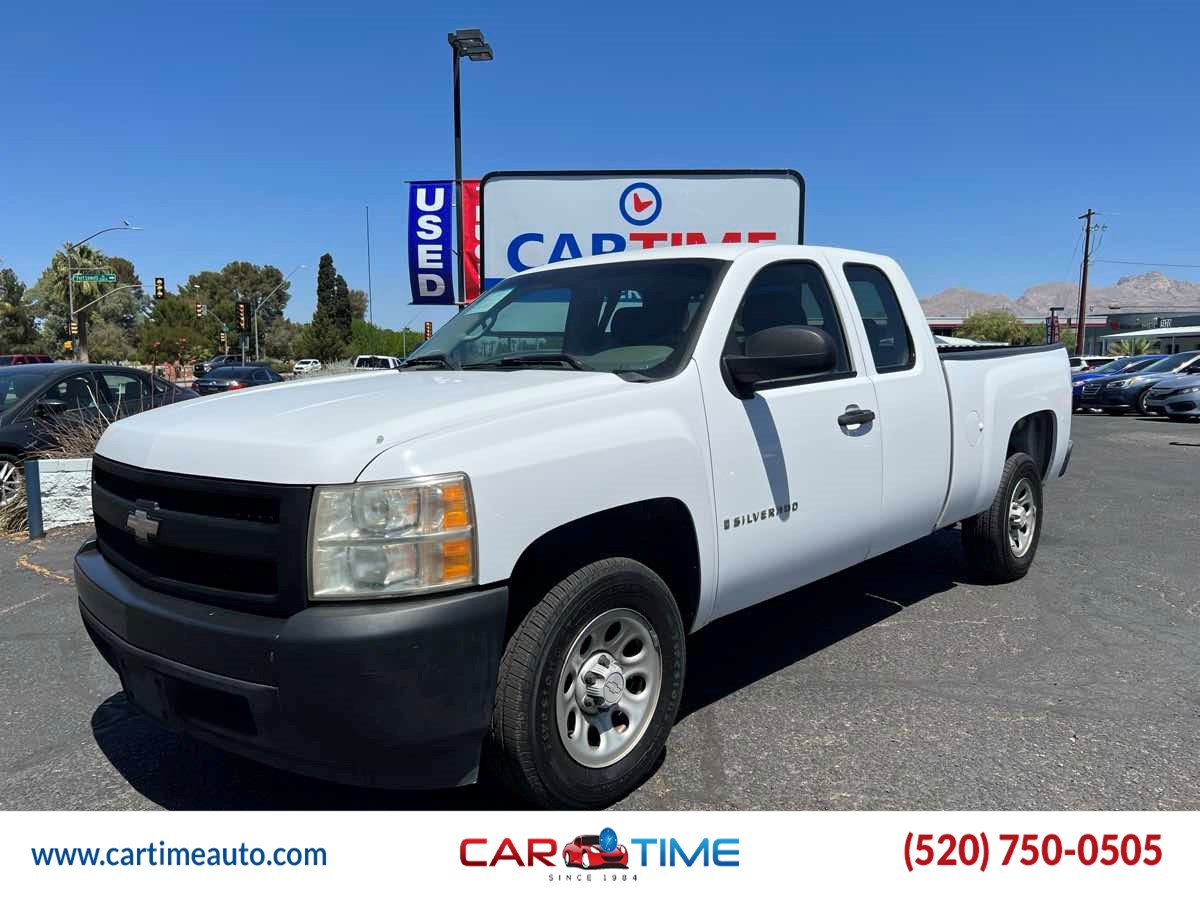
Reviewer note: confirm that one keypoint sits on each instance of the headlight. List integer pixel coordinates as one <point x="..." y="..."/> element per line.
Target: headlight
<point x="1190" y="390"/>
<point x="390" y="538"/>
<point x="1121" y="383"/>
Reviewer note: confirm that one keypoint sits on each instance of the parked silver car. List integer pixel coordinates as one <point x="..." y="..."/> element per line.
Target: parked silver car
<point x="1177" y="397"/>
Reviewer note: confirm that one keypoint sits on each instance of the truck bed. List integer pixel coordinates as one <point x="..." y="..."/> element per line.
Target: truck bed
<point x="991" y="389"/>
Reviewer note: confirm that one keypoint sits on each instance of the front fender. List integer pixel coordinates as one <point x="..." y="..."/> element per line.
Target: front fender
<point x="534" y="471"/>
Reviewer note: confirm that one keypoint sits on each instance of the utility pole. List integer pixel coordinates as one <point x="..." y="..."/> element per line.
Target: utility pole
<point x="370" y="312"/>
<point x="1081" y="323"/>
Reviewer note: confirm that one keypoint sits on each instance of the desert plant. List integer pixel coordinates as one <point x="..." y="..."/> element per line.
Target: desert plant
<point x="1132" y="347"/>
<point x="14" y="515"/>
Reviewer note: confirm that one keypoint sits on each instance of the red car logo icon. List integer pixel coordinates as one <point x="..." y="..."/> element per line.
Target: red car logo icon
<point x="640" y="205"/>
<point x="584" y="852"/>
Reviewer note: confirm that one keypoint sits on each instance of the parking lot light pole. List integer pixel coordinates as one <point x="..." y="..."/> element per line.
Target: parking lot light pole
<point x="468" y="42"/>
<point x="124" y="226"/>
<point x="286" y="279"/>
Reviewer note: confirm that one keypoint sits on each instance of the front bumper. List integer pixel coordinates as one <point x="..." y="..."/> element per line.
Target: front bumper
<point x="381" y="694"/>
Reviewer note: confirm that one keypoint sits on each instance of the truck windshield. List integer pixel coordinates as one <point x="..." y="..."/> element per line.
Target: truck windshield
<point x="637" y="319"/>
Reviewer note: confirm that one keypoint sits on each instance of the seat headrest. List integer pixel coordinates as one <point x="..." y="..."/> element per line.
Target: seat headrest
<point x="769" y="307"/>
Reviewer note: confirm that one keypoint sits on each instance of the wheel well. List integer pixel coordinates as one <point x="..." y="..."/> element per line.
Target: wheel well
<point x="658" y="533"/>
<point x="1034" y="434"/>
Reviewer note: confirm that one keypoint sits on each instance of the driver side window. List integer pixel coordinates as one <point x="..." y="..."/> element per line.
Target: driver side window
<point x="789" y="293"/>
<point x="77" y="392"/>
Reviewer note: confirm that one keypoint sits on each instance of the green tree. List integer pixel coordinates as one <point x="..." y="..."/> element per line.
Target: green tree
<point x="358" y="304"/>
<point x="220" y="291"/>
<point x="998" y="325"/>
<point x="52" y="292"/>
<point x="17" y="328"/>
<point x="343" y="308"/>
<point x="283" y="341"/>
<point x="325" y="339"/>
<point x="171" y="332"/>
<point x="378" y="341"/>
<point x="108" y="343"/>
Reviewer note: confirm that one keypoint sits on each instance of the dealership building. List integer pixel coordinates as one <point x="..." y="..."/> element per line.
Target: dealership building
<point x="1173" y="330"/>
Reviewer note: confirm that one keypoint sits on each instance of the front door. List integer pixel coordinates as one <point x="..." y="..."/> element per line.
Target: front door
<point x="797" y="491"/>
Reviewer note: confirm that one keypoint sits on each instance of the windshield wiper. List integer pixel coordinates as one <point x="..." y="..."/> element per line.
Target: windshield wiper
<point x="433" y="359"/>
<point x="514" y="360"/>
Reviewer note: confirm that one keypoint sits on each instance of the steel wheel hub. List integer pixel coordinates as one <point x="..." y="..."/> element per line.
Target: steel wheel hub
<point x="608" y="688"/>
<point x="1022" y="518"/>
<point x="10" y="482"/>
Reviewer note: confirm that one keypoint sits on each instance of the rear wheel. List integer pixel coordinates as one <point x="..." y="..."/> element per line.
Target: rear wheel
<point x="589" y="687"/>
<point x="1001" y="541"/>
<point x="10" y="479"/>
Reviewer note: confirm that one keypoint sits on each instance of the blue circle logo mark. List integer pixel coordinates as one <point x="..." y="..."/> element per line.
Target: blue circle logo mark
<point x="608" y="840"/>
<point x="640" y="203"/>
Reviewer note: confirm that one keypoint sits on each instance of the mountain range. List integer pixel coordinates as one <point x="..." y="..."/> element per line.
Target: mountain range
<point x="1151" y="290"/>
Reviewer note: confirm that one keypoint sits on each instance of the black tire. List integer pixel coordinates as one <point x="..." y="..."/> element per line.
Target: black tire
<point x="1140" y="403"/>
<point x="524" y="749"/>
<point x="986" y="536"/>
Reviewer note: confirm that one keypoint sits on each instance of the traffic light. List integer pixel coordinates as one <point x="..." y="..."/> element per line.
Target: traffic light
<point x="74" y="327"/>
<point x="160" y="287"/>
<point x="199" y="310"/>
<point x="428" y="330"/>
<point x="241" y="313"/>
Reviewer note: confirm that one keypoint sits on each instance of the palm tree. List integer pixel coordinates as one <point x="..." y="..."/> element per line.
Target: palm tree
<point x="52" y="292"/>
<point x="1133" y="347"/>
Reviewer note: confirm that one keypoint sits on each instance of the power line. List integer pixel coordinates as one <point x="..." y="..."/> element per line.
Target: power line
<point x="1130" y="262"/>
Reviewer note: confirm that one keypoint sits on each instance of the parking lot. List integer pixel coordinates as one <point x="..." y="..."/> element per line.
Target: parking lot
<point x="899" y="684"/>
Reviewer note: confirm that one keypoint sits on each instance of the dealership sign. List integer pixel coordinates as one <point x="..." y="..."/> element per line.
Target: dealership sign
<point x="534" y="218"/>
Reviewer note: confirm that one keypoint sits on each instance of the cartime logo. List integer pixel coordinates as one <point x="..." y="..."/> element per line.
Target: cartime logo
<point x="640" y="203"/>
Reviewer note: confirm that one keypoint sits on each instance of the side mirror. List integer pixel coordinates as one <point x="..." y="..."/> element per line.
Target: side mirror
<point x="785" y="351"/>
<point x="48" y="409"/>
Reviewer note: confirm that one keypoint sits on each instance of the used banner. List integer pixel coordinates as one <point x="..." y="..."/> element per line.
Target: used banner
<point x="430" y="249"/>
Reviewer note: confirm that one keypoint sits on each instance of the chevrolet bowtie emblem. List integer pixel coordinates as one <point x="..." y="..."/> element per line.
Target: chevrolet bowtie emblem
<point x="143" y="527"/>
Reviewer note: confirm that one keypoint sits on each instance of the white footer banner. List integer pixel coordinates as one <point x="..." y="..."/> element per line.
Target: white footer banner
<point x="528" y="854"/>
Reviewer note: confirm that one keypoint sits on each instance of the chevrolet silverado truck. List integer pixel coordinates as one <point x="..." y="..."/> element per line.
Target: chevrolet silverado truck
<point x="494" y="555"/>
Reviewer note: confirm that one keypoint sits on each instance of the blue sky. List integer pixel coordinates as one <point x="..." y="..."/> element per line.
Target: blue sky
<point x="961" y="139"/>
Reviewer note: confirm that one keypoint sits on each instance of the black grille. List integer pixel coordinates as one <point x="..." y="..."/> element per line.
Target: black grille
<point x="235" y="544"/>
<point x="246" y="508"/>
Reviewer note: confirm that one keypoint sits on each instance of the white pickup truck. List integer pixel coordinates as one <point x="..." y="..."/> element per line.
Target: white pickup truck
<point x="497" y="552"/>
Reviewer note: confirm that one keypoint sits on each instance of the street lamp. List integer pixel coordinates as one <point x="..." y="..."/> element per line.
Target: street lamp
<point x="124" y="226"/>
<point x="286" y="278"/>
<point x="468" y="42"/>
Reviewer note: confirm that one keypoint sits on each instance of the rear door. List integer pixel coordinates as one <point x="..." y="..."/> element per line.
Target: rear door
<point x="797" y="491"/>
<point x="913" y="408"/>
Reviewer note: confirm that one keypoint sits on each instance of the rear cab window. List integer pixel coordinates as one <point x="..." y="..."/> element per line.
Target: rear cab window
<point x="888" y="336"/>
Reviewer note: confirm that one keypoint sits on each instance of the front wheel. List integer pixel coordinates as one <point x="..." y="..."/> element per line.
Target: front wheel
<point x="1140" y="403"/>
<point x="10" y="479"/>
<point x="589" y="687"/>
<point x="1001" y="541"/>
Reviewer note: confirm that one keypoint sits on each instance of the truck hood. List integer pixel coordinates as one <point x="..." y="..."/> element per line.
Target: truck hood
<point x="326" y="430"/>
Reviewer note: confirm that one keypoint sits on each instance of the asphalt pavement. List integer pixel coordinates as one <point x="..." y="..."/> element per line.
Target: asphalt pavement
<point x="901" y="684"/>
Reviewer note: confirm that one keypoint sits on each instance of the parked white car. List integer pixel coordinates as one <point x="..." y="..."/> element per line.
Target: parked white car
<point x="306" y="366"/>
<point x="371" y="361"/>
<point x="1085" y="363"/>
<point x="499" y="553"/>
